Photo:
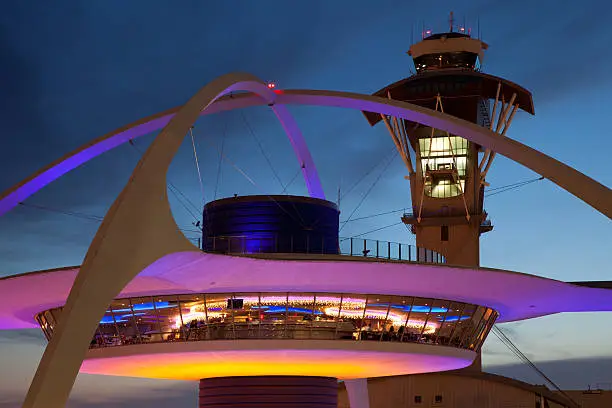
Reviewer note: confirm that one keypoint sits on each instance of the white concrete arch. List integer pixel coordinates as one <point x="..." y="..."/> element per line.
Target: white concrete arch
<point x="590" y="191"/>
<point x="139" y="227"/>
<point x="137" y="230"/>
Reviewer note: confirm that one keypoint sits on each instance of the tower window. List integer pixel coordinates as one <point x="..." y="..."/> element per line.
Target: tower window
<point x="444" y="233"/>
<point x="438" y="399"/>
<point x="418" y="399"/>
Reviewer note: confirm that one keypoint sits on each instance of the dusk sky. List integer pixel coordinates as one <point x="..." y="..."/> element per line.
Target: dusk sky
<point x="72" y="71"/>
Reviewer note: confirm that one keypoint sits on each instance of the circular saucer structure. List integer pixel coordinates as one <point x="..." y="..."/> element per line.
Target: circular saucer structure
<point x="181" y="318"/>
<point x="148" y="302"/>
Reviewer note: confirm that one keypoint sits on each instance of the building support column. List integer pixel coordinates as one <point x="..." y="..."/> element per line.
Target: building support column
<point x="357" y="391"/>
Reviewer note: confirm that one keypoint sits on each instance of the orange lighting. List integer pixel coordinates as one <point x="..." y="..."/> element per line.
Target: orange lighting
<point x="342" y="364"/>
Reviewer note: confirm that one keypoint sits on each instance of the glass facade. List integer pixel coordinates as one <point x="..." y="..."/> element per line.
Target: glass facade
<point x="462" y="60"/>
<point x="287" y="315"/>
<point x="444" y="164"/>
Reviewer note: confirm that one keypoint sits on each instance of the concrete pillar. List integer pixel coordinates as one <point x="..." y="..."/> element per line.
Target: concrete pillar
<point x="269" y="391"/>
<point x="357" y="391"/>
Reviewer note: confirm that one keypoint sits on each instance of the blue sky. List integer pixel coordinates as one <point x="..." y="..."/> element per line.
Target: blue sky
<point x="72" y="71"/>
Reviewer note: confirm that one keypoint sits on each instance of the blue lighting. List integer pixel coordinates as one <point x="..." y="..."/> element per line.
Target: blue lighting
<point x="416" y="309"/>
<point x="281" y="309"/>
<point x="145" y="306"/>
<point x="109" y="320"/>
<point x="119" y="318"/>
<point x="455" y="318"/>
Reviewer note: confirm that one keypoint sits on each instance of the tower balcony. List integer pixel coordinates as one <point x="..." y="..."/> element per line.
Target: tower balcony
<point x="485" y="224"/>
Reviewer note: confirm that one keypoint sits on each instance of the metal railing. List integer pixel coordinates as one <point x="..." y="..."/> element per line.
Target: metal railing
<point x="388" y="250"/>
<point x="368" y="248"/>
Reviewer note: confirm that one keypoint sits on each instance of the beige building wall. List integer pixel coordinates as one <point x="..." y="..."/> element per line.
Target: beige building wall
<point x="457" y="390"/>
<point x="591" y="399"/>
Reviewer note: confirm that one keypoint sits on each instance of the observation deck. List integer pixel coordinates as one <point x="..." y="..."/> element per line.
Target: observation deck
<point x="287" y="315"/>
<point x="328" y="334"/>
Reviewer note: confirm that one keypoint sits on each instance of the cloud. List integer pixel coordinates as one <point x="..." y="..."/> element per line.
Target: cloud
<point x="31" y="336"/>
<point x="570" y="374"/>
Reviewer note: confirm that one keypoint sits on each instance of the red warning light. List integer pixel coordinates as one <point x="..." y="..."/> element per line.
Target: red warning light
<point x="271" y="85"/>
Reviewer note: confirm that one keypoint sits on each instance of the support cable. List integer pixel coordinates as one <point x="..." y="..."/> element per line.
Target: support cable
<point x="261" y="149"/>
<point x="250" y="180"/>
<point x="76" y="214"/>
<point x="511" y="187"/>
<point x="438" y="99"/>
<point x="263" y="153"/>
<point x="295" y="176"/>
<point x="369" y="189"/>
<point x="366" y="174"/>
<point x="220" y="159"/>
<point x="376" y="215"/>
<point x="491" y="192"/>
<point x="450" y="144"/>
<point x="375" y="230"/>
<point x="175" y="191"/>
<point x="499" y="333"/>
<point x="197" y="164"/>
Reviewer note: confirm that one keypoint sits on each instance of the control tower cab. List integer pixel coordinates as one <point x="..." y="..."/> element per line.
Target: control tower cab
<point x="446" y="51"/>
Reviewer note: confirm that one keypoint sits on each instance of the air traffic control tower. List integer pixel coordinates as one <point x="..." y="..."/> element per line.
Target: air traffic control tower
<point x="447" y="173"/>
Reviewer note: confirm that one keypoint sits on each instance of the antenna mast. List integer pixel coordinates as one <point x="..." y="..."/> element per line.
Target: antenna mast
<point x="451" y="21"/>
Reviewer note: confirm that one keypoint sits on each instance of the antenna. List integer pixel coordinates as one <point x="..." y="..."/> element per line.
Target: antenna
<point x="451" y="21"/>
<point x="479" y="28"/>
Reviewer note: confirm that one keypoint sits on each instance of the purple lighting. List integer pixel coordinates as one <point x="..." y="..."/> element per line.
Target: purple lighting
<point x="569" y="179"/>
<point x="515" y="296"/>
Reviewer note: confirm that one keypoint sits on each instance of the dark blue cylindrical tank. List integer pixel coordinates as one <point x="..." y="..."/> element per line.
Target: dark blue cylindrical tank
<point x="271" y="224"/>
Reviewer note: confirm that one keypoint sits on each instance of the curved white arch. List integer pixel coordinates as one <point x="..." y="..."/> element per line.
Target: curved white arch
<point x="137" y="230"/>
<point x="590" y="191"/>
<point x="139" y="227"/>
